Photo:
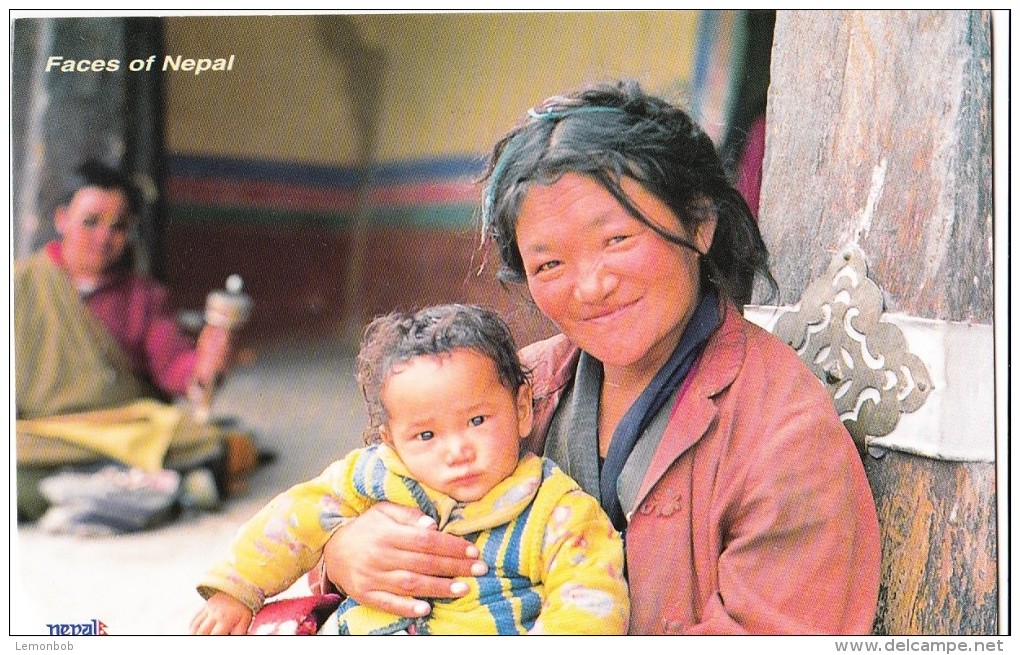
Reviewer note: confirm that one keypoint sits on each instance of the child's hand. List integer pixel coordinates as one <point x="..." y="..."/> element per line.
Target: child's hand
<point x="222" y="615"/>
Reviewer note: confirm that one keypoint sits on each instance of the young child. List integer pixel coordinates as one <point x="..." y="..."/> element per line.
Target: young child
<point x="448" y="404"/>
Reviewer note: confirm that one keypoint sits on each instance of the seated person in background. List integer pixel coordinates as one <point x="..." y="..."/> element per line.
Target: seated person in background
<point x="448" y="404"/>
<point x="95" y="345"/>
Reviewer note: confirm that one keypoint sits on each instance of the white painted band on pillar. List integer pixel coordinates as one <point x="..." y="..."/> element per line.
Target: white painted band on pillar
<point x="957" y="420"/>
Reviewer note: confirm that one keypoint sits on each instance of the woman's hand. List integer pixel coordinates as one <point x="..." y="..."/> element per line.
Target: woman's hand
<point x="213" y="351"/>
<point x="391" y="556"/>
<point x="222" y="615"/>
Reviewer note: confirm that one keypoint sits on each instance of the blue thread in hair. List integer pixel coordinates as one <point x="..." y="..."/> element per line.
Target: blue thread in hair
<point x="497" y="172"/>
<point x="553" y="114"/>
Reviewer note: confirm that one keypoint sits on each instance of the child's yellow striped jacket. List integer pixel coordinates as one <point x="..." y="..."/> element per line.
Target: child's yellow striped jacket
<point x="555" y="561"/>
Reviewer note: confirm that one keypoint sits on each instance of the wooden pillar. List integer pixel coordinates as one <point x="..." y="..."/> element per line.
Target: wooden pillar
<point x="61" y="118"/>
<point x="364" y="67"/>
<point x="879" y="137"/>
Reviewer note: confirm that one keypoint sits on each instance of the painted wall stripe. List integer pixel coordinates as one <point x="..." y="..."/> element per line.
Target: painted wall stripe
<point x="447" y="168"/>
<point x="438" y="216"/>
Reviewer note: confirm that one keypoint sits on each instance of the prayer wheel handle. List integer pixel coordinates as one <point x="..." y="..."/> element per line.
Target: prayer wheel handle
<point x="227" y="308"/>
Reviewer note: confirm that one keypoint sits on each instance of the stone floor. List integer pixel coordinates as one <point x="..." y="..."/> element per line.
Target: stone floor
<point x="300" y="399"/>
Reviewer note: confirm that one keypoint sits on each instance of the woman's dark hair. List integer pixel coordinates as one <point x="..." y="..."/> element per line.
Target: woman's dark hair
<point x="616" y="130"/>
<point x="399" y="337"/>
<point x="94" y="173"/>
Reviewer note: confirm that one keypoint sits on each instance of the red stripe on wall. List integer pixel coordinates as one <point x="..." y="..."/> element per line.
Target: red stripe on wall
<point x="242" y="193"/>
<point x="434" y="193"/>
<point x="294" y="197"/>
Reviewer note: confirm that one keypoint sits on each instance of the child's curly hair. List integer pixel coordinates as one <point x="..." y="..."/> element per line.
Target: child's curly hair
<point x="399" y="337"/>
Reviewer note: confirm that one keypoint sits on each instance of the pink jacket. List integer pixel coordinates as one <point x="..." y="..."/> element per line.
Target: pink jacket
<point x="755" y="515"/>
<point x="135" y="311"/>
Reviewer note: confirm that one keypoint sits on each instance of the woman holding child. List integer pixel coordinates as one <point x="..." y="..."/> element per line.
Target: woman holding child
<point x="742" y="498"/>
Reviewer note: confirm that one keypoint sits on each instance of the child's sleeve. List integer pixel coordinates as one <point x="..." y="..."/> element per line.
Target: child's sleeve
<point x="585" y="588"/>
<point x="284" y="540"/>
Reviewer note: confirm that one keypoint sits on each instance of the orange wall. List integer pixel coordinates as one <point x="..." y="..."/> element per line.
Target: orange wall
<point x="450" y="83"/>
<point x="264" y="157"/>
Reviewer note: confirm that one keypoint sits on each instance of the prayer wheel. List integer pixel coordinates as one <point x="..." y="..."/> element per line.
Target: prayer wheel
<point x="228" y="308"/>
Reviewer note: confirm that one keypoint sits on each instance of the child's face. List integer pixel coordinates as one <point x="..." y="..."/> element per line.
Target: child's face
<point x="453" y="423"/>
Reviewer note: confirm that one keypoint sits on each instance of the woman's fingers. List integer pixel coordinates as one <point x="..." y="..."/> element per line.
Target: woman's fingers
<point x="388" y="556"/>
<point x="399" y="605"/>
<point x="405" y="563"/>
<point x="399" y="514"/>
<point x="407" y="566"/>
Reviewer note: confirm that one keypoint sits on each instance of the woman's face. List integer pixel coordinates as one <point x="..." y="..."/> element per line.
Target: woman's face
<point x="614" y="287"/>
<point x="95" y="229"/>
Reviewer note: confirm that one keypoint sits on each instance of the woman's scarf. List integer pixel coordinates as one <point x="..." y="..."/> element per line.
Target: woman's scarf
<point x="667" y="380"/>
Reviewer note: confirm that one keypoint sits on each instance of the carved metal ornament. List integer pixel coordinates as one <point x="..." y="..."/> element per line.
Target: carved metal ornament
<point x="865" y="363"/>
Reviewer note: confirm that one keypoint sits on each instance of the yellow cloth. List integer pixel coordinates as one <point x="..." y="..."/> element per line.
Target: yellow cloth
<point x="555" y="561"/>
<point x="137" y="434"/>
<point x="65" y="359"/>
<point x="76" y="395"/>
